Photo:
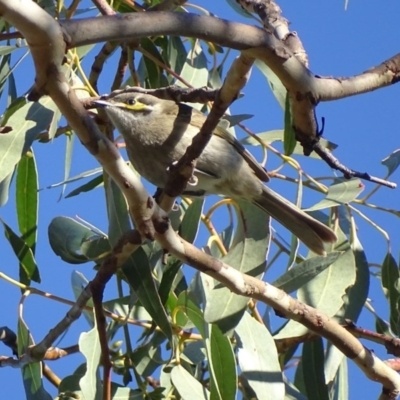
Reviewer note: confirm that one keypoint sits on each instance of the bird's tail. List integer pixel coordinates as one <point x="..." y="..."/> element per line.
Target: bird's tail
<point x="310" y="231"/>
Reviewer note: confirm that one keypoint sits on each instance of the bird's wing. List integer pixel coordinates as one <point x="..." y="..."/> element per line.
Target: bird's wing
<point x="197" y="120"/>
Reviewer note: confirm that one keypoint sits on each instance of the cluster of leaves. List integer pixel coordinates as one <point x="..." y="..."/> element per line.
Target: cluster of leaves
<point x="199" y="338"/>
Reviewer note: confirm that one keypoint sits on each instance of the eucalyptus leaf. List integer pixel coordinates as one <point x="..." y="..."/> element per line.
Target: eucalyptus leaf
<point x="26" y="123"/>
<point x="236" y="119"/>
<point x="5" y="188"/>
<point x="223" y="364"/>
<point x="326" y="291"/>
<point x="188" y="387"/>
<point x="195" y="70"/>
<point x="191" y="220"/>
<point x="248" y="255"/>
<point x="277" y="136"/>
<point x="392" y="161"/>
<point x="258" y="360"/>
<point x="274" y="82"/>
<point x="302" y="273"/>
<point x="87" y="187"/>
<point x="31" y="373"/>
<point x="289" y="136"/>
<point x="313" y="370"/>
<point x="389" y="280"/>
<point x="342" y="191"/>
<point x="138" y="273"/>
<point x="24" y="254"/>
<point x="27" y="200"/>
<point x="78" y="283"/>
<point x="89" y="346"/>
<point x="117" y="211"/>
<point x="66" y="237"/>
<point x="78" y="177"/>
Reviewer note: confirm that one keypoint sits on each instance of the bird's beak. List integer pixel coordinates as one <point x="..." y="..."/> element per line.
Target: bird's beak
<point x="101" y="103"/>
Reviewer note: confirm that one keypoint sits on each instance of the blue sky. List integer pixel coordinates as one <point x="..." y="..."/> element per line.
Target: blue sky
<point x="366" y="128"/>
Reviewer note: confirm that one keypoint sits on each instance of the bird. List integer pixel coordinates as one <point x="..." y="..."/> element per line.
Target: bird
<point x="158" y="131"/>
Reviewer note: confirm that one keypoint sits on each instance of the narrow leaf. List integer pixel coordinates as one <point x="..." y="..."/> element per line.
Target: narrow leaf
<point x="389" y="280"/>
<point x="31" y="373"/>
<point x="313" y="370"/>
<point x="248" y="255"/>
<point x="191" y="220"/>
<point x="24" y="254"/>
<point x="302" y="273"/>
<point x="27" y="199"/>
<point x="289" y="137"/>
<point x="138" y="273"/>
<point x="27" y="122"/>
<point x="223" y="364"/>
<point x="89" y="346"/>
<point x="188" y="387"/>
<point x="392" y="161"/>
<point x="258" y="360"/>
<point x="342" y="191"/>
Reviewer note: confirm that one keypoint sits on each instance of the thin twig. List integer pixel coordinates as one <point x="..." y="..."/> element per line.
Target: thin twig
<point x="348" y="173"/>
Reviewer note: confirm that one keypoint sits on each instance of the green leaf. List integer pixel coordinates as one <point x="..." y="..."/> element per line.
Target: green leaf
<point x="96" y="248"/>
<point x="392" y="161"/>
<point x="69" y="145"/>
<point x="357" y="294"/>
<point x="31" y="373"/>
<point x="258" y="360"/>
<point x="211" y="339"/>
<point x="66" y="236"/>
<point x="236" y="119"/>
<point x="27" y="199"/>
<point x="195" y="70"/>
<point x="117" y="211"/>
<point x="248" y="255"/>
<point x="326" y="291"/>
<point x="289" y="137"/>
<point x="82" y="175"/>
<point x="169" y="274"/>
<point x="24" y="254"/>
<point x="89" y="346"/>
<point x="176" y="54"/>
<point x="292" y="392"/>
<point x="4" y="50"/>
<point x="188" y="387"/>
<point x="5" y="188"/>
<point x="87" y="187"/>
<point x="191" y="220"/>
<point x="313" y="370"/>
<point x="302" y="273"/>
<point x="78" y="283"/>
<point x="153" y="70"/>
<point x="333" y="360"/>
<point x="27" y="122"/>
<point x="119" y="392"/>
<point x="341" y="383"/>
<point x="138" y="273"/>
<point x="342" y="191"/>
<point x="223" y="364"/>
<point x="390" y="281"/>
<point x="148" y="357"/>
<point x="277" y="136"/>
<point x="274" y="82"/>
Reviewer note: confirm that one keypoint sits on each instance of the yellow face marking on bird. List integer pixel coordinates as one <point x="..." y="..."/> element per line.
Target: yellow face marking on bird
<point x="132" y="105"/>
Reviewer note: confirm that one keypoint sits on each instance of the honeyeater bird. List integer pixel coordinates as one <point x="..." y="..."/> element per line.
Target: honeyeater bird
<point x="157" y="133"/>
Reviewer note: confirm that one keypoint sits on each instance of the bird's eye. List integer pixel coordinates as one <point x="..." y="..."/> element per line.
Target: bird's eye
<point x="131" y="101"/>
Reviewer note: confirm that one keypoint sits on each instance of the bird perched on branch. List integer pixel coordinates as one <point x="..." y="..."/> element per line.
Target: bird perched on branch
<point x="157" y="133"/>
